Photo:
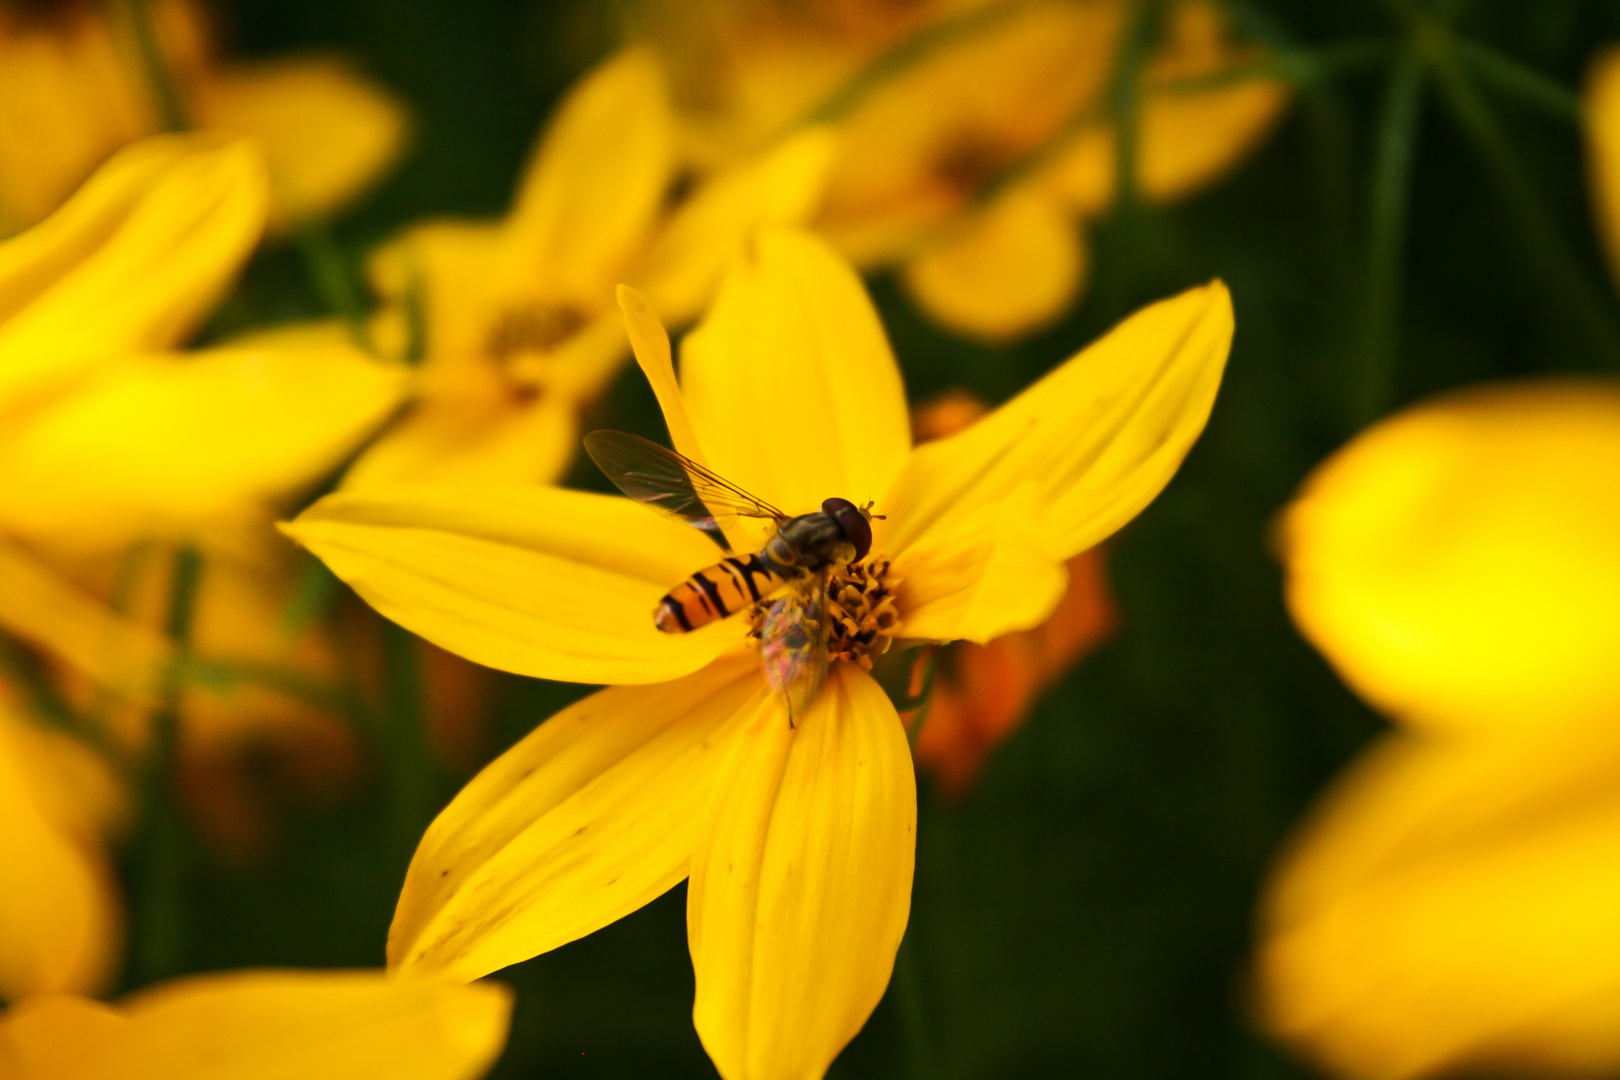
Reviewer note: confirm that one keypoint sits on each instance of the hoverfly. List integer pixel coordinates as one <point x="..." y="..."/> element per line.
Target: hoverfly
<point x="798" y="557"/>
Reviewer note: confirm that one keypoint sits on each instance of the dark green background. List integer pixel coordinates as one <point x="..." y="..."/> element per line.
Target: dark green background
<point x="1086" y="910"/>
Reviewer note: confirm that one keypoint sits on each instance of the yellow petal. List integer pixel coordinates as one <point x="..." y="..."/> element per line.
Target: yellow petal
<point x="1449" y="909"/>
<point x="268" y="1025"/>
<point x="1459" y="564"/>
<point x="989" y="575"/>
<point x="595" y="185"/>
<point x="590" y="817"/>
<point x="1099" y="437"/>
<point x="539" y="581"/>
<point x="1004" y="271"/>
<point x="327" y="131"/>
<point x="783" y="187"/>
<point x="1603" y="147"/>
<point x="161" y="445"/>
<point x="790" y="382"/>
<point x="801" y="890"/>
<point x="444" y="266"/>
<point x="650" y="342"/>
<point x="48" y="612"/>
<point x="68" y="98"/>
<point x="132" y="262"/>
<point x="58" y="911"/>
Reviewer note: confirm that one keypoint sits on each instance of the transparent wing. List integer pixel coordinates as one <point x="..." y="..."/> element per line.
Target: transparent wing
<point x="673" y="484"/>
<point x="793" y="643"/>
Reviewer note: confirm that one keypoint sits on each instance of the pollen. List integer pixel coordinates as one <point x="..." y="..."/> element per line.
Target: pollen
<point x="860" y="605"/>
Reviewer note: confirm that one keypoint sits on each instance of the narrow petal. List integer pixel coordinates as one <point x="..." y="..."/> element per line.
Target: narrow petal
<point x="58" y="909"/>
<point x="1449" y="910"/>
<point x="1004" y="271"/>
<point x="161" y="445"/>
<point x="595" y="185"/>
<point x="1099" y="437"/>
<point x="39" y="606"/>
<point x="327" y="131"/>
<point x="991" y="574"/>
<point x="587" y="819"/>
<point x="132" y="262"/>
<point x="782" y="187"/>
<point x="801" y="890"/>
<point x="790" y="381"/>
<point x="650" y="341"/>
<point x="267" y="1025"/>
<point x="1602" y="115"/>
<point x="539" y="581"/>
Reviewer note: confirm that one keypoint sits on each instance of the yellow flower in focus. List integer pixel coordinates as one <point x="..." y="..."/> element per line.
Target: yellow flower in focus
<point x="982" y="693"/>
<point x="973" y="167"/>
<point x="262" y="1025"/>
<point x="798" y="841"/>
<point x="74" y="88"/>
<point x="1449" y="906"/>
<point x="521" y="326"/>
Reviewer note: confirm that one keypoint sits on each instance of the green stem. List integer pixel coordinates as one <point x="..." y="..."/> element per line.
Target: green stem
<point x="408" y="759"/>
<point x="908" y="999"/>
<point x="1514" y="80"/>
<point x="334" y="279"/>
<point x="171" y="112"/>
<point x="160" y="867"/>
<point x="907" y="53"/>
<point x="1373" y="386"/>
<point x="1566" y="285"/>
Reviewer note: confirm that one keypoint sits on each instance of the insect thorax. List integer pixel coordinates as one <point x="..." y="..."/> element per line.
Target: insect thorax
<point x="807" y="543"/>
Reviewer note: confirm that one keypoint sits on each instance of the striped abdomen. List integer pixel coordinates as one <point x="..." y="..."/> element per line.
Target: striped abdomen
<point x="725" y="588"/>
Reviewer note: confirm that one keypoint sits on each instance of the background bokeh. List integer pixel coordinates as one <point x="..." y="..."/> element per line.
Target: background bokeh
<point x="1085" y="908"/>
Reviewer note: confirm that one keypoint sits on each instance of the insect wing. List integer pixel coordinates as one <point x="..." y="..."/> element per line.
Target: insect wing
<point x="673" y="484"/>
<point x="793" y="644"/>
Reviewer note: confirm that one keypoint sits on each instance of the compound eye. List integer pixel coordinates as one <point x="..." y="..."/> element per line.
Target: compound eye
<point x="857" y="530"/>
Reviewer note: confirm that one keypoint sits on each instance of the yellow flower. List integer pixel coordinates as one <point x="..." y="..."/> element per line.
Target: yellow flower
<point x="521" y="325"/>
<point x="973" y="168"/>
<point x="798" y="841"/>
<point x="110" y="437"/>
<point x="1457" y="563"/>
<point x="1449" y="906"/>
<point x="59" y="908"/>
<point x="74" y="89"/>
<point x="262" y="1025"/>
<point x="1602" y="122"/>
<point x="981" y="693"/>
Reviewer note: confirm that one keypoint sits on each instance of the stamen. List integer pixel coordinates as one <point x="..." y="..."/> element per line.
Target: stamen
<point x="861" y="606"/>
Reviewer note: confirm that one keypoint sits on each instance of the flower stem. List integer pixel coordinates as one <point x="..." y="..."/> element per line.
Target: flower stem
<point x="160" y="854"/>
<point x="1373" y="387"/>
<point x="1566" y="284"/>
<point x="334" y="279"/>
<point x="908" y="999"/>
<point x="1513" y="79"/>
<point x="407" y="758"/>
<point x="171" y="113"/>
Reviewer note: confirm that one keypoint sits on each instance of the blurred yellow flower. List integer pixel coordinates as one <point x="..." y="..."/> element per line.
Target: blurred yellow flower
<point x="59" y="909"/>
<point x="108" y="437"/>
<point x="75" y="88"/>
<point x="1602" y="122"/>
<point x="1457" y="563"/>
<point x="1450" y="905"/>
<point x="262" y="1025"/>
<point x="973" y="166"/>
<point x="521" y="328"/>
<point x="798" y="840"/>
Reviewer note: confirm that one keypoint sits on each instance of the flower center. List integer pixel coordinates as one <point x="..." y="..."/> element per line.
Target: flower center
<point x="861" y="609"/>
<point x="860" y="602"/>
